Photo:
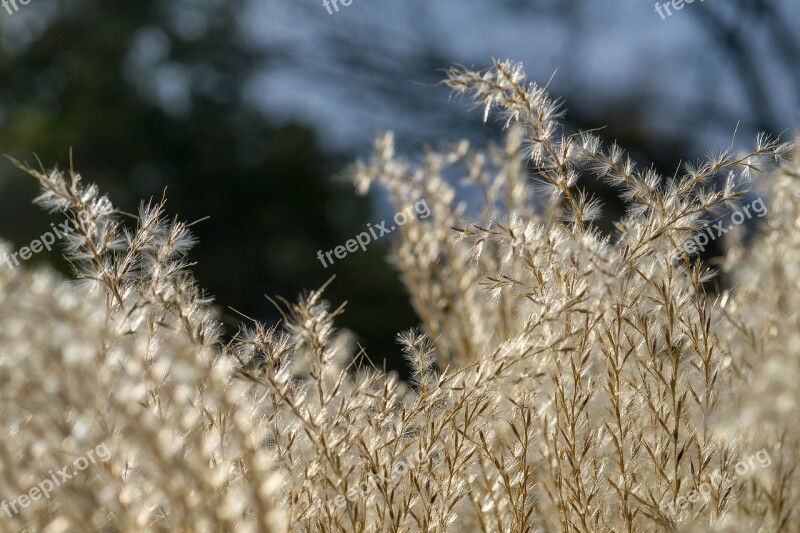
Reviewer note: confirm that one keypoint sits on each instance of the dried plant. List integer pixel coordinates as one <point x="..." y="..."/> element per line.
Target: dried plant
<point x="562" y="379"/>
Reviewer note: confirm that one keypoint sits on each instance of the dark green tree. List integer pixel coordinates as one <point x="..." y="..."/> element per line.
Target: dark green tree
<point x="151" y="95"/>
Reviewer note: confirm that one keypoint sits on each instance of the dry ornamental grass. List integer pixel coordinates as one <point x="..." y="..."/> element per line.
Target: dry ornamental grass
<point x="563" y="379"/>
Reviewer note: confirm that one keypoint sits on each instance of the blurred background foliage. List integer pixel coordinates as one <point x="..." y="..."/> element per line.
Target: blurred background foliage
<point x="159" y="94"/>
<point x="149" y="98"/>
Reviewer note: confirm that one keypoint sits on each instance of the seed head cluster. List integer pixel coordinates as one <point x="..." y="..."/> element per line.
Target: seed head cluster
<point x="563" y="379"/>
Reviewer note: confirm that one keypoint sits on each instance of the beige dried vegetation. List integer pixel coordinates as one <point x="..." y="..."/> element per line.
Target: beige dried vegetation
<point x="564" y="380"/>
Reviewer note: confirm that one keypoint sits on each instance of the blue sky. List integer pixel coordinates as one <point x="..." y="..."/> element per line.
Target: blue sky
<point x="606" y="54"/>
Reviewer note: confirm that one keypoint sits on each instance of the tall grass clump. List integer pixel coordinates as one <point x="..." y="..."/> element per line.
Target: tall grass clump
<point x="562" y="379"/>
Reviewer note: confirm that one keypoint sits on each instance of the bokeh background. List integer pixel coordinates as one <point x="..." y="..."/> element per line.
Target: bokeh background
<point x="243" y="110"/>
